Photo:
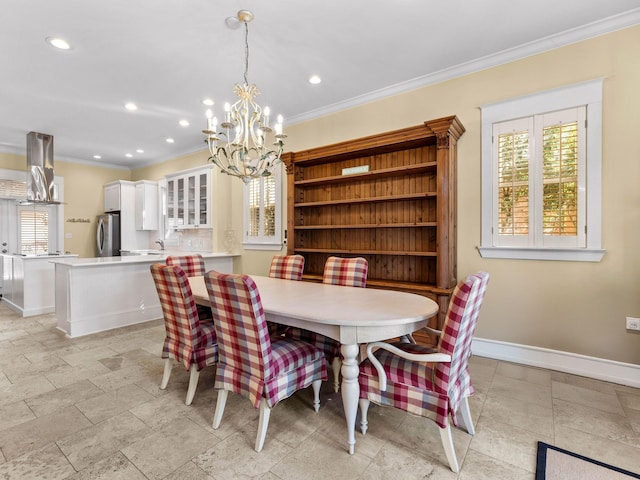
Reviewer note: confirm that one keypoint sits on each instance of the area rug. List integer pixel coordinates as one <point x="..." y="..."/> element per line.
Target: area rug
<point x="557" y="464"/>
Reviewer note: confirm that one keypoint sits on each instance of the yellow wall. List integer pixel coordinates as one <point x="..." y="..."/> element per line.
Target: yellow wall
<point x="569" y="306"/>
<point x="82" y="197"/>
<point x="11" y="161"/>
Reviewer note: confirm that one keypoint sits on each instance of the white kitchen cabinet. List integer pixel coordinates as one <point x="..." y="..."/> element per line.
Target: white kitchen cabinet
<point x="30" y="283"/>
<point x="146" y="205"/>
<point x="125" y="191"/>
<point x="189" y="198"/>
<point x="97" y="294"/>
<point x="112" y="197"/>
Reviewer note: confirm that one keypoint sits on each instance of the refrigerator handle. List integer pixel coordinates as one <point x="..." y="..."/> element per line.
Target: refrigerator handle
<point x="100" y="236"/>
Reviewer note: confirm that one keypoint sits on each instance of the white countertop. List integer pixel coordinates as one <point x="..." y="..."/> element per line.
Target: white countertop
<point x="131" y="259"/>
<point x="43" y="256"/>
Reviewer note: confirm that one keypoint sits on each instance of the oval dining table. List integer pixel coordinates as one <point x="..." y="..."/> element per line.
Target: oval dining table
<point x="352" y="316"/>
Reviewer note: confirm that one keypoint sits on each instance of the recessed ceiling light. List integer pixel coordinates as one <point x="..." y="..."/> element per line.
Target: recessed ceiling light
<point x="315" y="80"/>
<point x="128" y="155"/>
<point x="97" y="157"/>
<point x="170" y="140"/>
<point x="130" y="106"/>
<point x="58" y="43"/>
<point x="140" y="150"/>
<point x="208" y="102"/>
<point x="184" y="123"/>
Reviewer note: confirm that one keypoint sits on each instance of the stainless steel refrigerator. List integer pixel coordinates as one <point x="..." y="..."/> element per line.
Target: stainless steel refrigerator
<point x="108" y="235"/>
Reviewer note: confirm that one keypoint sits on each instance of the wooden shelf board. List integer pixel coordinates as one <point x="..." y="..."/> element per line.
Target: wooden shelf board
<point x="364" y="252"/>
<point x="379" y="173"/>
<point x="386" y="198"/>
<point x="404" y="286"/>
<point x="391" y="285"/>
<point x="366" y="225"/>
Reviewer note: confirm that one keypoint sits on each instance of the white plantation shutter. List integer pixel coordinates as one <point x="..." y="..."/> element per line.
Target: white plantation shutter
<point x="539" y="184"/>
<point x="263" y="213"/>
<point x="34" y="230"/>
<point x="269" y="204"/>
<point x="254" y="207"/>
<point x="562" y="177"/>
<point x="512" y="156"/>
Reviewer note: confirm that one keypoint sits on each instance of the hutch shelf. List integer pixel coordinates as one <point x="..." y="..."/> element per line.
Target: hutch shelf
<point x="390" y="198"/>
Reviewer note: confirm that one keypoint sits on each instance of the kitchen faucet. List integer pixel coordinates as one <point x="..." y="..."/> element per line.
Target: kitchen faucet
<point x="161" y="243"/>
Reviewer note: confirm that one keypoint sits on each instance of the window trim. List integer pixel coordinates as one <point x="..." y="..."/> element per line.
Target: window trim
<point x="264" y="242"/>
<point x="586" y="93"/>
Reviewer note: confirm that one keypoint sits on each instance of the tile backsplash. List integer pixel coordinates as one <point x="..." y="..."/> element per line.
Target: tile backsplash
<point x="193" y="239"/>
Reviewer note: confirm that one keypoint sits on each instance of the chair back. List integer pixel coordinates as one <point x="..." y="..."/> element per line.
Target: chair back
<point x="241" y="327"/>
<point x="193" y="265"/>
<point x="348" y="272"/>
<point x="457" y="332"/>
<point x="181" y="320"/>
<point x="288" y="267"/>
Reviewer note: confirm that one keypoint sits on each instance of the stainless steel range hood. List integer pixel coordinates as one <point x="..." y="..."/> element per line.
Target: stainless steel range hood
<point x="41" y="188"/>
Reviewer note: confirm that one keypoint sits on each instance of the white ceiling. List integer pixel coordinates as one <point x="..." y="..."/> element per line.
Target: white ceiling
<point x="167" y="55"/>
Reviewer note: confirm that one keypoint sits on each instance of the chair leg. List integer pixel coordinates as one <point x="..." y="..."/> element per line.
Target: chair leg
<point x="466" y="416"/>
<point x="220" y="403"/>
<point x="335" y="365"/>
<point x="316" y="394"/>
<point x="364" y="408"/>
<point x="263" y="424"/>
<point x="168" y="366"/>
<point x="194" y="374"/>
<point x="447" y="443"/>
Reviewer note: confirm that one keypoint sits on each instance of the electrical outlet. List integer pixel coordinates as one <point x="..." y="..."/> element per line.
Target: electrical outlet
<point x="633" y="323"/>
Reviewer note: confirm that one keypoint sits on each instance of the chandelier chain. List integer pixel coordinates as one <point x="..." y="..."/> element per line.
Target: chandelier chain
<point x="246" y="52"/>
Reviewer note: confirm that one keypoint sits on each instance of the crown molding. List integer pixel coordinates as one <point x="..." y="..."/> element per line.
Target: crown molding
<point x="568" y="37"/>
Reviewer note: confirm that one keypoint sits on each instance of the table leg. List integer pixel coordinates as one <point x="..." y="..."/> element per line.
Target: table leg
<point x="350" y="390"/>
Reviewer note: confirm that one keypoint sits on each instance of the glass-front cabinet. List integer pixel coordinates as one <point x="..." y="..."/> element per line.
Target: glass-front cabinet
<point x="188" y="198"/>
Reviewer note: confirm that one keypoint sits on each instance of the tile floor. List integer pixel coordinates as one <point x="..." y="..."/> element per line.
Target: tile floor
<point x="91" y="408"/>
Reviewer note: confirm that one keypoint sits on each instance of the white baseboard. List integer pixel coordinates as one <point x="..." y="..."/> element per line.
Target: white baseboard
<point x="592" y="367"/>
<point x="29" y="312"/>
<point x="80" y="327"/>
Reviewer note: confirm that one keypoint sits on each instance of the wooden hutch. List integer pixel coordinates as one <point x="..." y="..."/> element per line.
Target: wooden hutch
<point x="390" y="198"/>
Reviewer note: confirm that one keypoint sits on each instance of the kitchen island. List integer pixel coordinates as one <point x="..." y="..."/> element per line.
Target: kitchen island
<point x="28" y="282"/>
<point x="97" y="294"/>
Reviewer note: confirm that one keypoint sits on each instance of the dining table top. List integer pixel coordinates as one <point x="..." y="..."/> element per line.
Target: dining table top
<point x="296" y="303"/>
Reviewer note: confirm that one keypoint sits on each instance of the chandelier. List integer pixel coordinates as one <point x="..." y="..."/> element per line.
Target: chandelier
<point x="244" y="152"/>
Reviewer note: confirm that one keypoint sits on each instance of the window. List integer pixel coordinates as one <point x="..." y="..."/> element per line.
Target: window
<point x="541" y="170"/>
<point x="262" y="224"/>
<point x="35" y="228"/>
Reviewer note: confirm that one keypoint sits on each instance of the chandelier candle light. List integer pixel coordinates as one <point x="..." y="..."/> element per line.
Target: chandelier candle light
<point x="244" y="154"/>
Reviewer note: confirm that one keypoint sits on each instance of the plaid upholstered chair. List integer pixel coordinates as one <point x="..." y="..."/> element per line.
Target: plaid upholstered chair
<point x="287" y="267"/>
<point x="251" y="364"/>
<point x="193" y="266"/>
<point x="419" y="379"/>
<point x="187" y="340"/>
<point x="348" y="272"/>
